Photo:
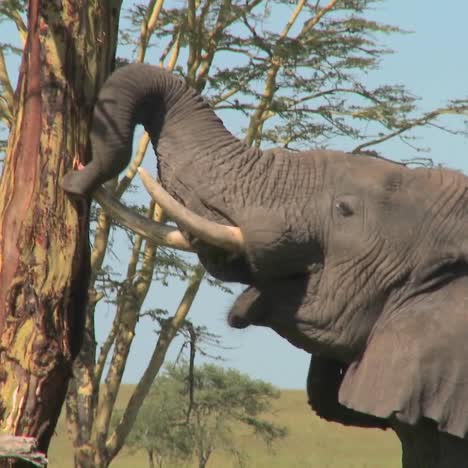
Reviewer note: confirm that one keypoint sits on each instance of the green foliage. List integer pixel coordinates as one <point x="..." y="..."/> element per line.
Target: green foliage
<point x="159" y="428"/>
<point x="13" y="10"/>
<point x="318" y="91"/>
<point x="195" y="413"/>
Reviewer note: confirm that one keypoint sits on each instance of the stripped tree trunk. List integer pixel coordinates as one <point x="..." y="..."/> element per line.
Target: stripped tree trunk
<point x="44" y="252"/>
<point x="151" y="458"/>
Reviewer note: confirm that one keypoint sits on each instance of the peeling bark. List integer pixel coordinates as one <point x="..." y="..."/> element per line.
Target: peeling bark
<point x="44" y="247"/>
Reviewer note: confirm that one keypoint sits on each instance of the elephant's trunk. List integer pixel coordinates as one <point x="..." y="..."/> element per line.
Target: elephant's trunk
<point x="195" y="151"/>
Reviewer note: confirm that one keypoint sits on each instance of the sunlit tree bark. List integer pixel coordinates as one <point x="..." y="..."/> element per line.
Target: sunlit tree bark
<point x="44" y="254"/>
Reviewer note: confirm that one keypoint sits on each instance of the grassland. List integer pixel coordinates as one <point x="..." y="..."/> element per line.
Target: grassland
<point x="311" y="443"/>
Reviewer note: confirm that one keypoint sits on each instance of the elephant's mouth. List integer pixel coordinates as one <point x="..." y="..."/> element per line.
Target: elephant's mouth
<point x="280" y="303"/>
<point x="247" y="310"/>
<point x="254" y="307"/>
<point x="276" y="304"/>
<point x="284" y="305"/>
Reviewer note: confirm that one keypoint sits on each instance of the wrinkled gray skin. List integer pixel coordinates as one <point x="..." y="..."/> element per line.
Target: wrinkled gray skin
<point x="357" y="260"/>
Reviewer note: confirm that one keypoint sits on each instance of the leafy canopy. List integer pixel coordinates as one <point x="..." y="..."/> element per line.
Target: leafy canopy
<point x="194" y="413"/>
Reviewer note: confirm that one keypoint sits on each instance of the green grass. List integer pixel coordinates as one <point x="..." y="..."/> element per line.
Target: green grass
<point x="311" y="443"/>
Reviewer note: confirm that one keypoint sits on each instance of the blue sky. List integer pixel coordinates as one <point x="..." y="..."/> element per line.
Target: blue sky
<point x="433" y="64"/>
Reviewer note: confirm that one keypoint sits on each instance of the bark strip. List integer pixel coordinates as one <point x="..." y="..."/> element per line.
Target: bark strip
<point x="44" y="246"/>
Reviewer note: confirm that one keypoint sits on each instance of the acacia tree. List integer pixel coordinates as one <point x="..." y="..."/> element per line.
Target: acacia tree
<point x="44" y="255"/>
<point x="194" y="413"/>
<point x="295" y="81"/>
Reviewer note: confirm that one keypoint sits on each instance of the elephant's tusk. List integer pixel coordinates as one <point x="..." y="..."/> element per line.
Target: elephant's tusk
<point x="152" y="230"/>
<point x="227" y="237"/>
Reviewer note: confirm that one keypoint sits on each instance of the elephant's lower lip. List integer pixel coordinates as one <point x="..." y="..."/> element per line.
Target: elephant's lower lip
<point x="239" y="321"/>
<point x="246" y="311"/>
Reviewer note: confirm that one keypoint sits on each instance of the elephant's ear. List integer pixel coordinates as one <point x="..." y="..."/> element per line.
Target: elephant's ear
<point x="323" y="381"/>
<point x="415" y="364"/>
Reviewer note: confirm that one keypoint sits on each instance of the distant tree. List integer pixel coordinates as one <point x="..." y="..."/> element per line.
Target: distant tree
<point x="194" y="413"/>
<point x="160" y="428"/>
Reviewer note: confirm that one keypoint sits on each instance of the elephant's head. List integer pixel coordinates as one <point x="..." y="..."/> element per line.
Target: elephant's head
<point x="357" y="259"/>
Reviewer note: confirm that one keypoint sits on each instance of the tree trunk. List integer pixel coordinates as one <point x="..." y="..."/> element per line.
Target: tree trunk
<point x="151" y="458"/>
<point x="203" y="459"/>
<point x="44" y="252"/>
<point x="424" y="446"/>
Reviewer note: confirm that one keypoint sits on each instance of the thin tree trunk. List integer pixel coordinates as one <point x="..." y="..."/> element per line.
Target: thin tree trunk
<point x="168" y="332"/>
<point x="44" y="252"/>
<point x="203" y="459"/>
<point x="151" y="458"/>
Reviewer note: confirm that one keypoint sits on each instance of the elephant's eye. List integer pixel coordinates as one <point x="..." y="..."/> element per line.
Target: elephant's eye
<point x="344" y="208"/>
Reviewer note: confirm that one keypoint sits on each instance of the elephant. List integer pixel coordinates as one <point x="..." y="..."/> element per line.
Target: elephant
<point x="359" y="261"/>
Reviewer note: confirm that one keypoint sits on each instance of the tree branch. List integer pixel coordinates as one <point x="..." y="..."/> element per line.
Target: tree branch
<point x="107" y="345"/>
<point x="225" y="96"/>
<point x="167" y="49"/>
<point x="193" y="58"/>
<point x="7" y="99"/>
<point x="312" y="22"/>
<point x="257" y="120"/>
<point x="424" y="120"/>
<point x="130" y="299"/>
<point x="23" y="448"/>
<point x="175" y="53"/>
<point x="104" y="352"/>
<point x="148" y="26"/>
<point x="15" y="16"/>
<point x="168" y="332"/>
<point x="134" y="165"/>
